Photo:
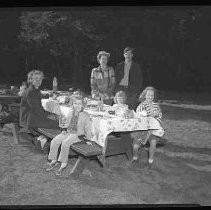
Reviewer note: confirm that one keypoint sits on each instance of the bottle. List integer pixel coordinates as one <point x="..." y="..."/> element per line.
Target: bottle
<point x="55" y="84"/>
<point x="100" y="104"/>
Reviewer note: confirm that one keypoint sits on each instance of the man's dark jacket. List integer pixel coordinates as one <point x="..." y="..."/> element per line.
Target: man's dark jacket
<point x="32" y="114"/>
<point x="135" y="80"/>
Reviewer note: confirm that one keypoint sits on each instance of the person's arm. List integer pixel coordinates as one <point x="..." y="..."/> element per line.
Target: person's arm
<point x="93" y="82"/>
<point x="81" y="126"/>
<point x="139" y="108"/>
<point x="84" y="127"/>
<point x="67" y="119"/>
<point x="111" y="81"/>
<point x="158" y="113"/>
<point x="22" y="90"/>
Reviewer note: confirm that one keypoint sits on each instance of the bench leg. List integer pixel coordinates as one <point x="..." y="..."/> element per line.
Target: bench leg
<point x="79" y="166"/>
<point x="14" y="127"/>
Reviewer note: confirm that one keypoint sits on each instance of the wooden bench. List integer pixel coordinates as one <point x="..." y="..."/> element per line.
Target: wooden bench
<point x="115" y="145"/>
<point x="86" y="152"/>
<point x="14" y="125"/>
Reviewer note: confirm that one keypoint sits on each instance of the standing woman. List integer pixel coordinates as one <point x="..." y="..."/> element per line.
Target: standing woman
<point x="32" y="114"/>
<point x="103" y="79"/>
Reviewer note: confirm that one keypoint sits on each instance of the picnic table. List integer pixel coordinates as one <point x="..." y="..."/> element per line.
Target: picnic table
<point x="9" y="98"/>
<point x="103" y="124"/>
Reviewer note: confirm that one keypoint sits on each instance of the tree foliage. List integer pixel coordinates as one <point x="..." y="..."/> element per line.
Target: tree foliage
<point x="163" y="39"/>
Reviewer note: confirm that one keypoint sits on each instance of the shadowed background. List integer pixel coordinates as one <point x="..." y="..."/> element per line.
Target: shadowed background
<point x="172" y="44"/>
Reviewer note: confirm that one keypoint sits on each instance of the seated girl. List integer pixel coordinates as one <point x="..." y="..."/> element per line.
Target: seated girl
<point x="148" y="107"/>
<point x="120" y="106"/>
<point x="77" y="129"/>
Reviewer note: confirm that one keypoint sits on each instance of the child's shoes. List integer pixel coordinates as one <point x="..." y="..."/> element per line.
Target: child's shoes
<point x="59" y="172"/>
<point x="51" y="166"/>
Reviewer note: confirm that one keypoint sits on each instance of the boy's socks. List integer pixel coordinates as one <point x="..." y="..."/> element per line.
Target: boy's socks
<point x="63" y="165"/>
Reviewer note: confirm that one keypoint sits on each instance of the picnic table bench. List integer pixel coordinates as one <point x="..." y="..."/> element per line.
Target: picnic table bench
<point x="86" y="152"/>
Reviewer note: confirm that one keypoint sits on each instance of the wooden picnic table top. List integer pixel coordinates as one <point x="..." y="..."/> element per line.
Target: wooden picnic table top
<point x="7" y="98"/>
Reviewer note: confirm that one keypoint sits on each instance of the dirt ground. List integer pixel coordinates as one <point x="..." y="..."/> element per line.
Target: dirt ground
<point x="180" y="174"/>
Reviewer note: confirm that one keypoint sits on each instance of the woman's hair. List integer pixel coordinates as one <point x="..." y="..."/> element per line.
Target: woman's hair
<point x="142" y="96"/>
<point x="101" y="53"/>
<point x="128" y="49"/>
<point x="121" y="94"/>
<point x="31" y="75"/>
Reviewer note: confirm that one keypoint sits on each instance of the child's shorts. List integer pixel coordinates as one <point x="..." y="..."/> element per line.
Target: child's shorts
<point x="143" y="136"/>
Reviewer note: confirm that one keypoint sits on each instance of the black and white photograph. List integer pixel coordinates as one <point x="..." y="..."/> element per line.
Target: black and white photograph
<point x="105" y="106"/>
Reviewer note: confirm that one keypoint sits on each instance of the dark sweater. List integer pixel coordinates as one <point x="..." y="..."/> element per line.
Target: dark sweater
<point x="32" y="114"/>
<point x="135" y="81"/>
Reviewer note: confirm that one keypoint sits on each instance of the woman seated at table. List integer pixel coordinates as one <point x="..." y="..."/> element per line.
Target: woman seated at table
<point x="32" y="114"/>
<point x="148" y="107"/>
<point x="78" y="129"/>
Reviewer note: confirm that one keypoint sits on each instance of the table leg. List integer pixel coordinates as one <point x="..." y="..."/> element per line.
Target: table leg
<point x="101" y="159"/>
<point x="14" y="127"/>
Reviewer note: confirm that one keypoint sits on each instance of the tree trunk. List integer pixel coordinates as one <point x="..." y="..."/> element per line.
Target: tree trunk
<point x="59" y="70"/>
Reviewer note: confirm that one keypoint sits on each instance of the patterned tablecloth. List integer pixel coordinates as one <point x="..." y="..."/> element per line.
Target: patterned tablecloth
<point x="102" y="123"/>
<point x="53" y="106"/>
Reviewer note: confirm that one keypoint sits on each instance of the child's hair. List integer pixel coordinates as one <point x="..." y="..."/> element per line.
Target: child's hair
<point x="121" y="94"/>
<point x="77" y="98"/>
<point x="142" y="96"/>
<point x="79" y="93"/>
<point x="24" y="83"/>
<point x="31" y="75"/>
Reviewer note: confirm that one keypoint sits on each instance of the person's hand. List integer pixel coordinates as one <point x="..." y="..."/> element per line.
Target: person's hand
<point x="52" y="116"/>
<point x="89" y="143"/>
<point x="129" y="114"/>
<point x="143" y="113"/>
<point x="64" y="132"/>
<point x="62" y="120"/>
<point x="155" y="112"/>
<point x="95" y="96"/>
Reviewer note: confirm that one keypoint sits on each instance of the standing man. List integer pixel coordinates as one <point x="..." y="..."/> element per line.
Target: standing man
<point x="129" y="77"/>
